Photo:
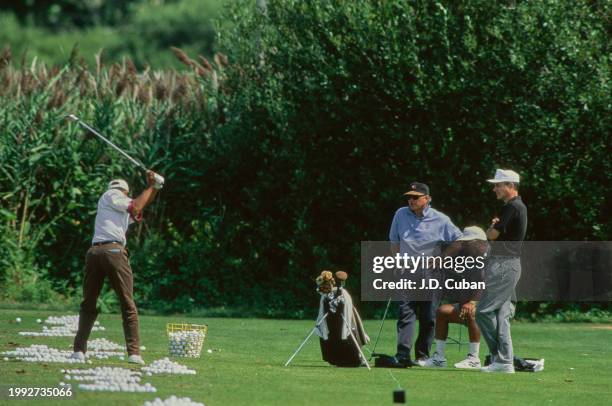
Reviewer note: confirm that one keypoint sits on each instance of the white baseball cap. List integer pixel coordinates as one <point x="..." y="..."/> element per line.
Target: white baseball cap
<point x="505" y="175"/>
<point x="118" y="184"/>
<point x="473" y="233"/>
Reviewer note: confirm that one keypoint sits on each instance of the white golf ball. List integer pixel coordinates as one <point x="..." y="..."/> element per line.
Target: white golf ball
<point x="38" y="321"/>
<point x="18" y="319"/>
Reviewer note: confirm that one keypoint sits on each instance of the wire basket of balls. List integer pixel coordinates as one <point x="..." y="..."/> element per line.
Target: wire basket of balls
<point x="186" y="340"/>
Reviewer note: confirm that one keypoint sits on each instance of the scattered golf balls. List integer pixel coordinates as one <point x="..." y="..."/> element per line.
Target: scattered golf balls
<point x="173" y="401"/>
<point x="62" y="326"/>
<point x="165" y="366"/>
<point x="109" y="379"/>
<point x="42" y="353"/>
<point x="103" y="344"/>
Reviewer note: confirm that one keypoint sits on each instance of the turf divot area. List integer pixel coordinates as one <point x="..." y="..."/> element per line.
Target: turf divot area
<point x="245" y="366"/>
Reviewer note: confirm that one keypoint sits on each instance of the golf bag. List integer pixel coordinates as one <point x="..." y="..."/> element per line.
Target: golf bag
<point x="341" y="334"/>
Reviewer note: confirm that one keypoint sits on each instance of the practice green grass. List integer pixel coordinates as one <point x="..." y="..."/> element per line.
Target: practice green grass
<point x="248" y="368"/>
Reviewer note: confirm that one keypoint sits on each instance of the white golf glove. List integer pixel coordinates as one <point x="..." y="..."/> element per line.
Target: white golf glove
<point x="159" y="181"/>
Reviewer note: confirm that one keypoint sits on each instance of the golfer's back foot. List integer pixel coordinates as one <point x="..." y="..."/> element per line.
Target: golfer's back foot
<point x="136" y="359"/>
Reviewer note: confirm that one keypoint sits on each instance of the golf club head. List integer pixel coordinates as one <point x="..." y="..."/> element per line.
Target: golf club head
<point x="72" y="117"/>
<point x="341" y="276"/>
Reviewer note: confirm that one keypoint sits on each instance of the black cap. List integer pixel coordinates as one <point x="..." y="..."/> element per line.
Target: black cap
<point x="417" y="188"/>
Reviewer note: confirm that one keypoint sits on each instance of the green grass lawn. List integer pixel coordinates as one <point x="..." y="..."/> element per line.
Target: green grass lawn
<point x="248" y="368"/>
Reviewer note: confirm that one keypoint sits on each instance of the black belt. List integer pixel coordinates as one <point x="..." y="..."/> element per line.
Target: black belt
<point x="95" y="244"/>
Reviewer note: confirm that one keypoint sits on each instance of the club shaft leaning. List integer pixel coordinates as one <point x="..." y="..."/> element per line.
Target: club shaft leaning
<point x="122" y="152"/>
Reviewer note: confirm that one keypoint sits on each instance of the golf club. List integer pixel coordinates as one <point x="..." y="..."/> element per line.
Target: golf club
<point x="382" y="323"/>
<point x="158" y="178"/>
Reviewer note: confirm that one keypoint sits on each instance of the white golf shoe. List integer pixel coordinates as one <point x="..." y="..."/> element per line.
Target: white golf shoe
<point x="135" y="359"/>
<point x="470" y="362"/>
<point x="78" y="355"/>
<point x="436" y="361"/>
<point x="497" y="367"/>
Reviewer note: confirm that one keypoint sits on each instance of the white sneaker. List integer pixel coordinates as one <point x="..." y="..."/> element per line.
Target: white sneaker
<point x="470" y="362"/>
<point x="79" y="356"/>
<point x="136" y="359"/>
<point x="497" y="367"/>
<point x="436" y="361"/>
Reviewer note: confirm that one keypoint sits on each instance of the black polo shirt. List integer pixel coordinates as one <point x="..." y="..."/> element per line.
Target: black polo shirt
<point x="512" y="226"/>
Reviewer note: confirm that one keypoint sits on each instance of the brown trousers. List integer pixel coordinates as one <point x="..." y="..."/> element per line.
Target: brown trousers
<point x="112" y="261"/>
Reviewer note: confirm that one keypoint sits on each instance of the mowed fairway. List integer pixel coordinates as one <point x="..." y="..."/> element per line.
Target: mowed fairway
<point x="248" y="368"/>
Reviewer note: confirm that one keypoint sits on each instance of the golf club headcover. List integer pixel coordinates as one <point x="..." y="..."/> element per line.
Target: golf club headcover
<point x="325" y="282"/>
<point x="341" y="276"/>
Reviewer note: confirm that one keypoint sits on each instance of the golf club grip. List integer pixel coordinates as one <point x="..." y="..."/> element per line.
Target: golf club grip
<point x="159" y="179"/>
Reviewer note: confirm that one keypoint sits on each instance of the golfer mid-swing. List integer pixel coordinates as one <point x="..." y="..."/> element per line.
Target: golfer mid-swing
<point x="496" y="308"/>
<point x="108" y="258"/>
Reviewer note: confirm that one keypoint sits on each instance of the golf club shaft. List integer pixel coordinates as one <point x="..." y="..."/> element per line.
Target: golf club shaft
<point x="382" y="323"/>
<point x="100" y="136"/>
<point x="306" y="339"/>
<point x="361" y="354"/>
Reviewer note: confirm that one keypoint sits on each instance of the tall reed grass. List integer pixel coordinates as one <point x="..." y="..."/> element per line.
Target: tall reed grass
<point x="51" y="172"/>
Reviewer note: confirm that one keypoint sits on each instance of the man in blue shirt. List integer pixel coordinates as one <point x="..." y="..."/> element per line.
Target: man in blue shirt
<point x="418" y="229"/>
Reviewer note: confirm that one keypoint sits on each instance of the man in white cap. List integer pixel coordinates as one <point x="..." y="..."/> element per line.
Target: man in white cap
<point x="496" y="307"/>
<point x="459" y="303"/>
<point x="108" y="257"/>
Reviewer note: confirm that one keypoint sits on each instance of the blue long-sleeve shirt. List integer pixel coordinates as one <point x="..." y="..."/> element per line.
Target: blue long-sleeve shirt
<point x="421" y="235"/>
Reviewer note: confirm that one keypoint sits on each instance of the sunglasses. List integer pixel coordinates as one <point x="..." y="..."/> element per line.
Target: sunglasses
<point x="414" y="197"/>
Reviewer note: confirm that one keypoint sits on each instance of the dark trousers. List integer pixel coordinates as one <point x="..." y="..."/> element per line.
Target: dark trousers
<point x="409" y="311"/>
<point x="108" y="261"/>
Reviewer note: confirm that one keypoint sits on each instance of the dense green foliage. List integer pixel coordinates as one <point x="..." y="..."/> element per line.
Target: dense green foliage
<point x="349" y="101"/>
<point x="142" y="30"/>
<point x="327" y="110"/>
<point x="69" y="13"/>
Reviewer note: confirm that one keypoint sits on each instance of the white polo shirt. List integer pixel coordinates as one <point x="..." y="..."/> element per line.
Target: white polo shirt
<point x="113" y="217"/>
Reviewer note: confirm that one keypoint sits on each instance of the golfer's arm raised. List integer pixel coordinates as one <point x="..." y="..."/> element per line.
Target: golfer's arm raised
<point x="147" y="195"/>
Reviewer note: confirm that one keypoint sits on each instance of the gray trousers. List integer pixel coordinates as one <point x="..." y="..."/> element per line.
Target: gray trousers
<point x="495" y="309"/>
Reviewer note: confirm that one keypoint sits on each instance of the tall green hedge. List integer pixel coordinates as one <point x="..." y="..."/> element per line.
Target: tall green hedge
<point x="300" y="148"/>
<point x="337" y="106"/>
